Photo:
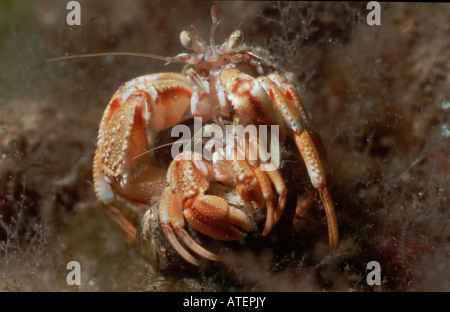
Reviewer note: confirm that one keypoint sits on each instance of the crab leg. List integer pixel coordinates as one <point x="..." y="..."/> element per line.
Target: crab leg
<point x="309" y="142"/>
<point x="272" y="173"/>
<point x="268" y="196"/>
<point x="291" y="108"/>
<point x="273" y="100"/>
<point x="280" y="186"/>
<point x="252" y="184"/>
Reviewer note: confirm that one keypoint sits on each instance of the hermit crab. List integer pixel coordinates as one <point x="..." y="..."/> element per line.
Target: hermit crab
<point x="215" y="87"/>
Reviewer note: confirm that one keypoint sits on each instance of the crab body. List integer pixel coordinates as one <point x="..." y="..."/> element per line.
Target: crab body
<point x="211" y="87"/>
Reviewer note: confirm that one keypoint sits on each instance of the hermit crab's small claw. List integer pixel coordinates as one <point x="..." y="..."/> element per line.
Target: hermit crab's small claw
<point x="184" y="200"/>
<point x="172" y="223"/>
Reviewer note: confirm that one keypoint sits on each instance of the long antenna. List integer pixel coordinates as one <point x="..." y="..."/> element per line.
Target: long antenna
<point x="213" y="27"/>
<point x="146" y="55"/>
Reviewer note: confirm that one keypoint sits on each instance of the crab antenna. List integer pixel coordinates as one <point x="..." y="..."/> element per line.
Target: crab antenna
<point x="213" y="27"/>
<point x="153" y="56"/>
<point x="200" y="42"/>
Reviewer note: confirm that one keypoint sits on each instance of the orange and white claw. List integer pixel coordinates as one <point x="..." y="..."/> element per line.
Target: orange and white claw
<point x="213" y="216"/>
<point x="172" y="223"/>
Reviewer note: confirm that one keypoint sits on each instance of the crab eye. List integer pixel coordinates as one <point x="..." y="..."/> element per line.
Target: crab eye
<point x="235" y="39"/>
<point x="186" y="39"/>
